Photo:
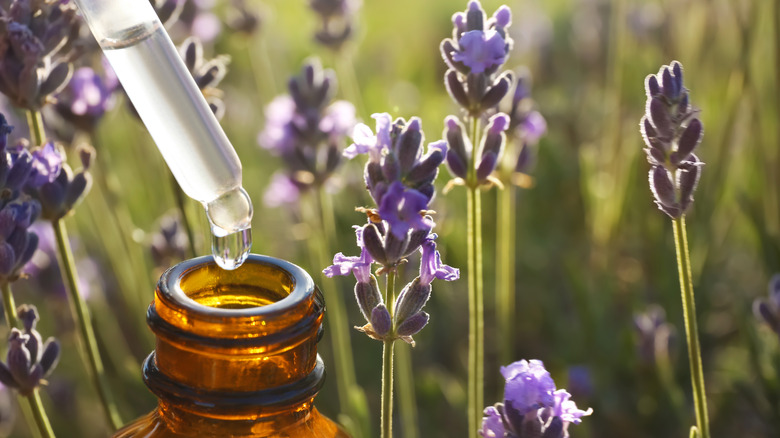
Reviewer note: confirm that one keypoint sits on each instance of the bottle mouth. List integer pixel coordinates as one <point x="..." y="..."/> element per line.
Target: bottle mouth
<point x="262" y="286"/>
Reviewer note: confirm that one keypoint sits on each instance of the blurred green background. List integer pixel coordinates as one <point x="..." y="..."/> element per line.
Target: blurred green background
<point x="592" y="248"/>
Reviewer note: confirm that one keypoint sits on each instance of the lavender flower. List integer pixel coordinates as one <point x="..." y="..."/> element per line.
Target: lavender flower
<point x="395" y="155"/>
<point x="29" y="359"/>
<point x="336" y="26"/>
<point x="34" y="45"/>
<point x="60" y="190"/>
<point x="768" y="310"/>
<point x="86" y="98"/>
<point x="169" y="243"/>
<point x="532" y="407"/>
<point x="243" y="18"/>
<point x="207" y="73"/>
<point x="477" y="50"/>
<point x="654" y="334"/>
<point x="306" y="129"/>
<point x="526" y="124"/>
<point x="671" y="130"/>
<point x="400" y="180"/>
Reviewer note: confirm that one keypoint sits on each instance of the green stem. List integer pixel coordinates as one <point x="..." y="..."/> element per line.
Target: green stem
<point x="505" y="256"/>
<point x="387" y="364"/>
<point x="178" y="195"/>
<point x="9" y="307"/>
<point x="35" y="415"/>
<point x="35" y="121"/>
<point x="39" y="414"/>
<point x="691" y="327"/>
<point x="351" y="396"/>
<point x="476" y="358"/>
<point x="476" y="311"/>
<point x="88" y="344"/>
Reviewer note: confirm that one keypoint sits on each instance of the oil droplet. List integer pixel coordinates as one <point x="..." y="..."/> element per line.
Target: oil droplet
<point x="230" y="217"/>
<point x="231" y="250"/>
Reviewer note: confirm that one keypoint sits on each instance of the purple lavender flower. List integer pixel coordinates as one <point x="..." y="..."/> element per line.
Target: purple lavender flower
<point x="336" y="21"/>
<point x="477" y="50"/>
<point x="281" y="191"/>
<point x="768" y="310"/>
<point x="526" y="124"/>
<point x="29" y="359"/>
<point x="492" y="424"/>
<point x="60" y="192"/>
<point x="395" y="155"/>
<point x="532" y="407"/>
<point x="481" y="50"/>
<point x="86" y="98"/>
<point x="169" y="244"/>
<point x="34" y="50"/>
<point x="671" y="130"/>
<point x="306" y="129"/>
<point x="402" y="209"/>
<point x="359" y="266"/>
<point x="431" y="266"/>
<point x="46" y="165"/>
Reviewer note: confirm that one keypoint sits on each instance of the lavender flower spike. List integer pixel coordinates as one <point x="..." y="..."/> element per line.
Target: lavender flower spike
<point x="532" y="407"/>
<point x="672" y="131"/>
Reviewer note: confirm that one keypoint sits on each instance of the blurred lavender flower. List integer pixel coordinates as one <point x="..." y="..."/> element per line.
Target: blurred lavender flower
<point x="526" y="124"/>
<point x="34" y="46"/>
<point x="336" y="19"/>
<point x="55" y="185"/>
<point x="477" y="50"/>
<point x="86" y="98"/>
<point x="768" y="310"/>
<point x="29" y="359"/>
<point x="654" y="334"/>
<point x="207" y="74"/>
<point x="671" y="130"/>
<point x="197" y="19"/>
<point x="242" y="18"/>
<point x="169" y="244"/>
<point x="17" y="210"/>
<point x="307" y="130"/>
<point x="281" y="190"/>
<point x="532" y="407"/>
<point x="168" y="10"/>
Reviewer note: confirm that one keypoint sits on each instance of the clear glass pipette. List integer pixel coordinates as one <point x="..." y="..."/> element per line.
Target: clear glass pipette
<point x="177" y="116"/>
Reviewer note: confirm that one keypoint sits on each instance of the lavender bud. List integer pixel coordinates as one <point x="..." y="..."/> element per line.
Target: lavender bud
<point x="428" y="168"/>
<point x="411" y="300"/>
<point x="374" y="244"/>
<point x="688" y="141"/>
<point x="77" y="188"/>
<point x="50" y="356"/>
<point x="687" y="180"/>
<point x="496" y="92"/>
<point x="554" y="429"/>
<point x="523" y="159"/>
<point x="662" y="186"/>
<point x="391" y="168"/>
<point x="651" y="86"/>
<point x="412" y="325"/>
<point x="57" y="79"/>
<point x="368" y="297"/>
<point x="18" y="357"/>
<point x="6" y="378"/>
<point x="211" y="74"/>
<point x="487" y="165"/>
<point x="668" y="84"/>
<point x="409" y="144"/>
<point x="455" y="89"/>
<point x="380" y="320"/>
<point x="475" y="16"/>
<point x="28" y="315"/>
<point x="395" y="247"/>
<point x="659" y="116"/>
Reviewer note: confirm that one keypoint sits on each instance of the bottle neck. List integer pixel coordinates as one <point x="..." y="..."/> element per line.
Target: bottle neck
<point x="235" y="344"/>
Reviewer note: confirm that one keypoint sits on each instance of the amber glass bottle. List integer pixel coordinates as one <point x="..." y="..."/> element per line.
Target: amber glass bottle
<point x="236" y="353"/>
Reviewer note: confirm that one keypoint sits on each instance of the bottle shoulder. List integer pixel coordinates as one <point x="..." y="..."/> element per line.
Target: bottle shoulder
<point x="311" y="425"/>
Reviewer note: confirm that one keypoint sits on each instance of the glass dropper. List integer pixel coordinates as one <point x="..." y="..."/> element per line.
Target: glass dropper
<point x="177" y="116"/>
